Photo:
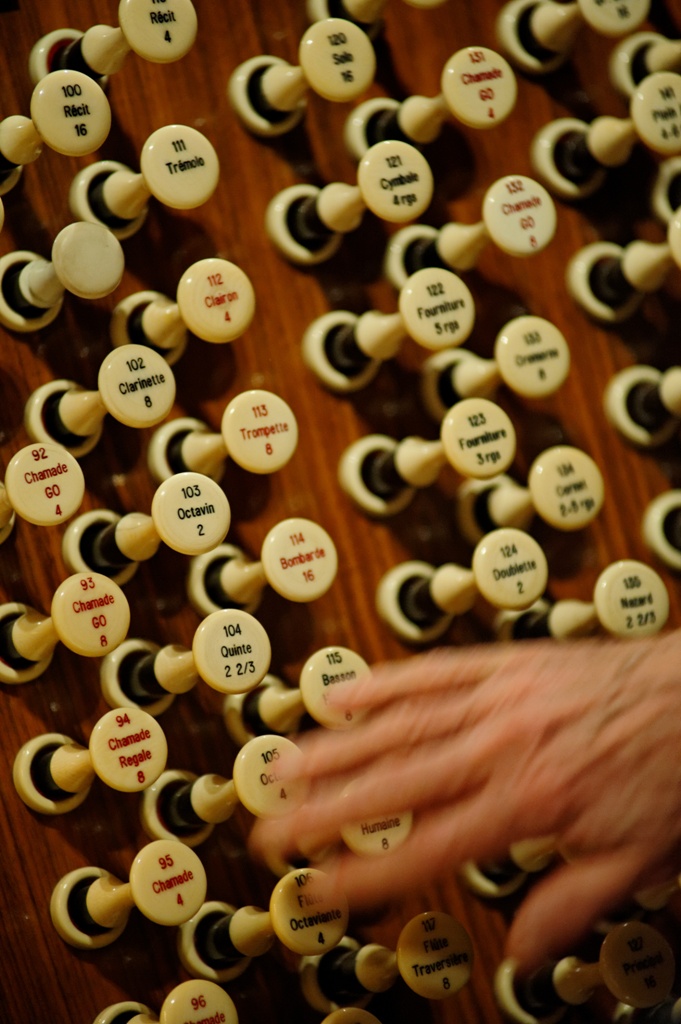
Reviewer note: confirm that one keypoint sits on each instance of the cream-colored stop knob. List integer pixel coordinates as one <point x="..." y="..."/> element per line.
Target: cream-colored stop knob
<point x="567" y="487"/>
<point x="179" y="166"/>
<point x="328" y="671"/>
<point x="261" y="788"/>
<point x="434" y="955"/>
<point x="128" y="749"/>
<point x="631" y="599"/>
<point x="437" y="308"/>
<point x="136" y="386"/>
<point x="191" y="512"/>
<point x="90" y="614"/>
<point x="88" y="260"/>
<point x="479" y="87"/>
<point x="532" y="355"/>
<point x="168" y="882"/>
<point x="160" y="33"/>
<point x="655" y="110"/>
<point x="337" y="59"/>
<point x="71" y="113"/>
<point x="308" y="913"/>
<point x="395" y="181"/>
<point x="299" y="559"/>
<point x="260" y="431"/>
<point x="478" y="438"/>
<point x="232" y="651"/>
<point x="198" y="1000"/>
<point x="216" y="300"/>
<point x="519" y="215"/>
<point x="510" y="568"/>
<point x="44" y="483"/>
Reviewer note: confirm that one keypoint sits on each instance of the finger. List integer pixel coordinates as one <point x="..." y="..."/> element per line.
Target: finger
<point x="399" y="726"/>
<point x="445" y="668"/>
<point x="562" y="908"/>
<point x="442" y="839"/>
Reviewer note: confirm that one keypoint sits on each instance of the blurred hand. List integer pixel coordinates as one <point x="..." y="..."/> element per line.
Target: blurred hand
<point x="494" y="744"/>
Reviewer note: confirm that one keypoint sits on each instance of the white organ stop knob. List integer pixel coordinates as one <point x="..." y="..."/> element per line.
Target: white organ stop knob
<point x="127" y="750"/>
<point x="178" y="166"/>
<point x="630" y="599"/>
<point x="89" y="614"/>
<point x="641" y="54"/>
<point x="337" y="61"/>
<point x="90" y="907"/>
<point x="298" y="560"/>
<point x="418" y="600"/>
<point x="565" y="488"/>
<point x="230" y="652"/>
<point x="69" y="113"/>
<point x="189" y="512"/>
<point x="478" y="88"/>
<point x="381" y="475"/>
<point x="43" y="485"/>
<point x="518" y="216"/>
<point x="350" y="974"/>
<point x="531" y="357"/>
<point x="572" y="981"/>
<point x="215" y="300"/>
<point x="307" y="224"/>
<point x="345" y="351"/>
<point x="259" y="786"/>
<point x="610" y="281"/>
<point x="539" y="36"/>
<point x="135" y="386"/>
<point x="305" y="914"/>
<point x="160" y="34"/>
<point x="258" y="431"/>
<point x="571" y="157"/>
<point x="644" y="404"/>
<point x="86" y="260"/>
<point x="182" y="1004"/>
<point x="273" y="707"/>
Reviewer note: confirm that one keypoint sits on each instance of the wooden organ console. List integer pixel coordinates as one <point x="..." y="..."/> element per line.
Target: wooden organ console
<point x="42" y="978"/>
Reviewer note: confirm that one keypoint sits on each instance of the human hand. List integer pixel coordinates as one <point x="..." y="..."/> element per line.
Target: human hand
<point x="494" y="744"/>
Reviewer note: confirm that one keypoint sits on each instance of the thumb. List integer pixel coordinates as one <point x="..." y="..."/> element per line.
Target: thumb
<point x="563" y="906"/>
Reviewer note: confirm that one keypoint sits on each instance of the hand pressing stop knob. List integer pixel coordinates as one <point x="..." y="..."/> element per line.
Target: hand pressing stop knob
<point x="86" y="260"/>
